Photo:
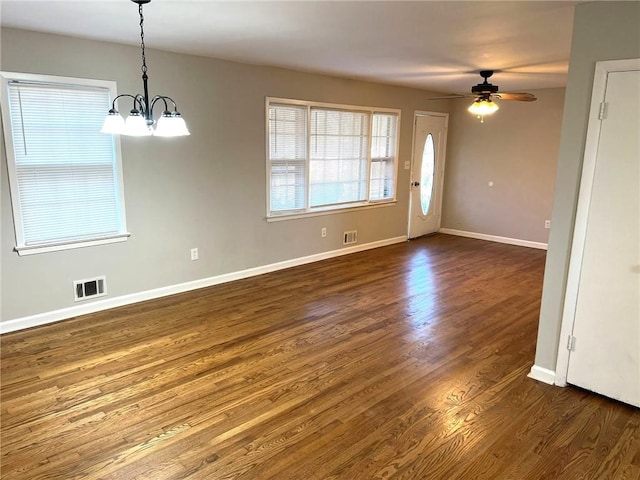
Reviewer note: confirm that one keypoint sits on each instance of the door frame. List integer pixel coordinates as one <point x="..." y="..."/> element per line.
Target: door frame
<point x="602" y="70"/>
<point x="440" y="185"/>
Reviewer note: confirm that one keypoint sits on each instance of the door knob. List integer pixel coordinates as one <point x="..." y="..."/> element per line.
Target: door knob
<point x="415" y="184"/>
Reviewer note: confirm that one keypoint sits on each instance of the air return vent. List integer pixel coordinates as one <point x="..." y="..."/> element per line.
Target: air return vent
<point x="350" y="237"/>
<point x="89" y="288"/>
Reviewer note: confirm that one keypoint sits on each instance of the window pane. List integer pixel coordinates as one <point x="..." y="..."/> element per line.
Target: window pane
<point x="338" y="158"/>
<point x="426" y="174"/>
<point x="287" y="132"/>
<point x="325" y="157"/>
<point x="65" y="169"/>
<point x="287" y="185"/>
<point x="383" y="153"/>
<point x="59" y="203"/>
<point x="382" y="178"/>
<point x="287" y="156"/>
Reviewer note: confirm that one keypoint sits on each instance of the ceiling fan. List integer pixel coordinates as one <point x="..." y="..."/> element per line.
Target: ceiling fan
<point x="484" y="93"/>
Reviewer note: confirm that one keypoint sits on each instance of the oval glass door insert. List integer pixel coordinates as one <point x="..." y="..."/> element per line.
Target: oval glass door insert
<point x="426" y="174"/>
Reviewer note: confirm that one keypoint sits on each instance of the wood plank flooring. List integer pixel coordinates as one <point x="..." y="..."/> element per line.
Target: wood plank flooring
<point x="403" y="362"/>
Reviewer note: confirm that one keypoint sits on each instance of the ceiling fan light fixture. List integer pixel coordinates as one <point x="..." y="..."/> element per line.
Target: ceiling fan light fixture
<point x="483" y="106"/>
<point x="483" y="94"/>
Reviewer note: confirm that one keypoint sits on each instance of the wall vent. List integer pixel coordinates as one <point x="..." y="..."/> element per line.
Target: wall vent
<point x="89" y="288"/>
<point x="350" y="237"/>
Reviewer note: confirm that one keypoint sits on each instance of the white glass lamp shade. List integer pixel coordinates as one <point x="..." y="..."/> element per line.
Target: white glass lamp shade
<point x="171" y="125"/>
<point x="136" y="125"/>
<point x="113" y="123"/>
<point x="483" y="107"/>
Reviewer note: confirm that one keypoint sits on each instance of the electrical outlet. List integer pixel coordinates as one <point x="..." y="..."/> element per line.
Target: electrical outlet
<point x="324" y="232"/>
<point x="547" y="224"/>
<point x="194" y="254"/>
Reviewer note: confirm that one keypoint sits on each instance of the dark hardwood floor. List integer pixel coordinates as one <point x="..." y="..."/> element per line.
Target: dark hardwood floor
<point x="403" y="362"/>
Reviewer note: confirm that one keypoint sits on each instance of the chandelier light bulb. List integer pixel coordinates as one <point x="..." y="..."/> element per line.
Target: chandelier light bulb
<point x="113" y="123"/>
<point x="136" y="126"/>
<point x="171" y="125"/>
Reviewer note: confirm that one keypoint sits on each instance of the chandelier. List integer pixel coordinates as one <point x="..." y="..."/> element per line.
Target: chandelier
<point x="140" y="120"/>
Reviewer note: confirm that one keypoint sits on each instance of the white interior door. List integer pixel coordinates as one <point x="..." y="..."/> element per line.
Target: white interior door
<point x="604" y="345"/>
<point x="427" y="173"/>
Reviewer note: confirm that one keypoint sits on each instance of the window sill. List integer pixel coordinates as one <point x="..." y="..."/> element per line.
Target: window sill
<point x="329" y="211"/>
<point x="35" y="249"/>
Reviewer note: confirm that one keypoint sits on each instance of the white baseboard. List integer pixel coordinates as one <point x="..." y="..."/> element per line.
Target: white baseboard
<point x="99" y="305"/>
<point x="542" y="375"/>
<point x="495" y="238"/>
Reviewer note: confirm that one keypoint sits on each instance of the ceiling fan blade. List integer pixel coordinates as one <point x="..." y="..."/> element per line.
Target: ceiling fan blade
<point x="450" y="97"/>
<point x="520" y="97"/>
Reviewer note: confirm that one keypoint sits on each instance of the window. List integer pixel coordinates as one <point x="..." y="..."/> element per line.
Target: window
<point x="426" y="174"/>
<point x="64" y="175"/>
<point x="323" y="157"/>
<point x="383" y="156"/>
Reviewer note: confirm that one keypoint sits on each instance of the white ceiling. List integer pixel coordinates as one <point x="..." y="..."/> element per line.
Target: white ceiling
<point x="436" y="45"/>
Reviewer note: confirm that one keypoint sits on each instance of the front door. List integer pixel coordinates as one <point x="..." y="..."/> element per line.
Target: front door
<point x="427" y="173"/>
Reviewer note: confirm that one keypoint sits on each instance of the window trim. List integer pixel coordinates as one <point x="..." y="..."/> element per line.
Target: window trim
<point x="318" y="212"/>
<point x="21" y="248"/>
<point x="341" y="207"/>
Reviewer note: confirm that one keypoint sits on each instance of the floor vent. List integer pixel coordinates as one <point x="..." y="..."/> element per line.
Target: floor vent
<point x="350" y="237"/>
<point x="90" y="288"/>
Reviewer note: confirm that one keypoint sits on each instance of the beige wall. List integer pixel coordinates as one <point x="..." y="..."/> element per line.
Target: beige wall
<point x="207" y="190"/>
<point x="602" y="31"/>
<point x="517" y="150"/>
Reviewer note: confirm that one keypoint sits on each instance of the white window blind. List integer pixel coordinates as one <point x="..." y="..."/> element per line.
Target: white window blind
<point x="323" y="157"/>
<point x="338" y="158"/>
<point x="383" y="156"/>
<point x="287" y="156"/>
<point x="65" y="185"/>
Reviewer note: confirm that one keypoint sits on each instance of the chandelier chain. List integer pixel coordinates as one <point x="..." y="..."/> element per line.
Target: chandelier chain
<point x="144" y="59"/>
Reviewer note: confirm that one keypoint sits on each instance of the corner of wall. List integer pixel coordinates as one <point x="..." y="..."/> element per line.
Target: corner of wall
<point x="542" y="374"/>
